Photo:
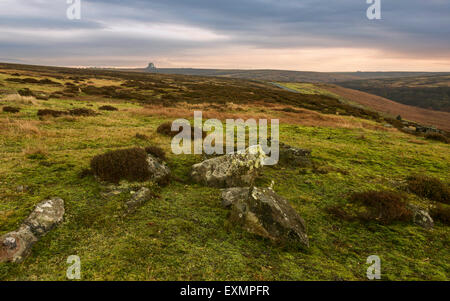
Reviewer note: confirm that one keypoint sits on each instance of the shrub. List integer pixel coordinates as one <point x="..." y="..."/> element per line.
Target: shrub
<point x="166" y="129"/>
<point x="441" y="213"/>
<point x="141" y="136"/>
<point x="48" y="112"/>
<point x="156" y="151"/>
<point x="8" y="109"/>
<point x="25" y="92"/>
<point x="128" y="164"/>
<point x="383" y="206"/>
<point x="429" y="187"/>
<point x="82" y="112"/>
<point x="108" y="108"/>
<point x="437" y="137"/>
<point x="340" y="213"/>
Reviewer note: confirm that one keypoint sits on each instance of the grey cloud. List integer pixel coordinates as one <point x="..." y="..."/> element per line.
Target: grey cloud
<point x="410" y="28"/>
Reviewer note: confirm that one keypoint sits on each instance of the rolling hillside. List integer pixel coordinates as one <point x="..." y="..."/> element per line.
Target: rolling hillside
<point x="287" y="76"/>
<point x="424" y="116"/>
<point x="429" y="92"/>
<point x="54" y="121"/>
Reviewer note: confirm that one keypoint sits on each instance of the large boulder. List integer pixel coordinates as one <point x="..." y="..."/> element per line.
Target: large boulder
<point x="261" y="211"/>
<point x="16" y="245"/>
<point x="231" y="170"/>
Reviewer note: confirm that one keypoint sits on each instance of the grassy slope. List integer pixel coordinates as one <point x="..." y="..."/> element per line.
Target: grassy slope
<point x="429" y="92"/>
<point x="438" y="119"/>
<point x="184" y="234"/>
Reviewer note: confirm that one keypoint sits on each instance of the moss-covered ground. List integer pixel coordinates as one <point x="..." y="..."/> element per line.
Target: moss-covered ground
<point x="184" y="233"/>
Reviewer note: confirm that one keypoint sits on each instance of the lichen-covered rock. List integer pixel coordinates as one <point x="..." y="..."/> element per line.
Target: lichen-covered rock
<point x="16" y="245"/>
<point x="231" y="170"/>
<point x="421" y="217"/>
<point x="158" y="171"/>
<point x="140" y="197"/>
<point x="232" y="195"/>
<point x="45" y="216"/>
<point x="263" y="212"/>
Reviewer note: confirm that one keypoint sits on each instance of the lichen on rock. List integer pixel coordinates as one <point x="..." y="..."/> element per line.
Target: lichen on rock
<point x="231" y="170"/>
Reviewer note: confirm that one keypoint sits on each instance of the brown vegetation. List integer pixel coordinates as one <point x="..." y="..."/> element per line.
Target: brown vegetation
<point x="9" y="109"/>
<point x="429" y="187"/>
<point x="382" y="206"/>
<point x="156" y="151"/>
<point x="127" y="164"/>
<point x="108" y="108"/>
<point x="441" y="213"/>
<point x="437" y="137"/>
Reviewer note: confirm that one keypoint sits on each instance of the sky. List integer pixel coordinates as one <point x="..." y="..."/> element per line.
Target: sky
<point x="306" y="35"/>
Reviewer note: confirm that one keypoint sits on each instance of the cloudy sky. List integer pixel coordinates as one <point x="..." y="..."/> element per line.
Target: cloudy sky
<point x="316" y="35"/>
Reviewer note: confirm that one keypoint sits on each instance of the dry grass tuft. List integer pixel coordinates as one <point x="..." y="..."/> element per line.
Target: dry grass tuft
<point x="37" y="152"/>
<point x="128" y="164"/>
<point x="19" y="99"/>
<point x="382" y="206"/>
<point x="9" y="109"/>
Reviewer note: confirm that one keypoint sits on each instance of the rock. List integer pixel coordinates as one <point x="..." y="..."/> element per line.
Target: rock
<point x="421" y="217"/>
<point x="45" y="216"/>
<point x="138" y="198"/>
<point x="159" y="171"/>
<point x="263" y="212"/>
<point x="231" y="195"/>
<point x="295" y="157"/>
<point x="231" y="170"/>
<point x="16" y="245"/>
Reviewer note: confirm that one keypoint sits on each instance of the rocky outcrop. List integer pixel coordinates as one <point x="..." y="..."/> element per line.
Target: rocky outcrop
<point x="261" y="211"/>
<point x="231" y="170"/>
<point x="421" y="217"/>
<point x="16" y="245"/>
<point x="158" y="171"/>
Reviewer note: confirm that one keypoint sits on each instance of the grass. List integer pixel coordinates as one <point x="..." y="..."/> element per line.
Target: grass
<point x="185" y="234"/>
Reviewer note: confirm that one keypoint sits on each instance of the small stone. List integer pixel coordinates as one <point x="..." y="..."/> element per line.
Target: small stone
<point x="139" y="198"/>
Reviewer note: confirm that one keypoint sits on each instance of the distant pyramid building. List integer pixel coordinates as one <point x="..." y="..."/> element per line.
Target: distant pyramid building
<point x="151" y="66"/>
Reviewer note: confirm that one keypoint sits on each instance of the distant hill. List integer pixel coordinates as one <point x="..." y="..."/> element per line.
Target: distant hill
<point x="288" y="76"/>
<point x="438" y="119"/>
<point x="429" y="91"/>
